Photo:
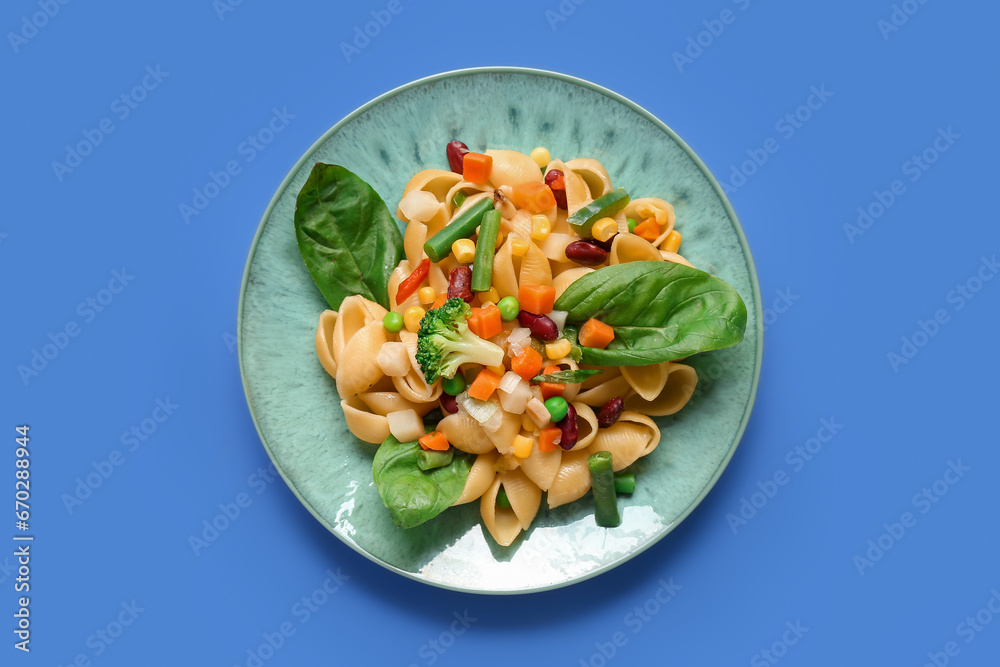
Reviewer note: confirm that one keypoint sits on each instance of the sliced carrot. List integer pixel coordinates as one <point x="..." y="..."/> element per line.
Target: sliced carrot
<point x="548" y="437"/>
<point x="490" y="323"/>
<point x="534" y="196"/>
<point x="484" y="385"/>
<point x="439" y="301"/>
<point x="475" y="321"/>
<point x="595" y="333"/>
<point x="527" y="364"/>
<point x="550" y="389"/>
<point x="476" y="167"/>
<point x="537" y="299"/>
<point x="647" y="229"/>
<point x="435" y="440"/>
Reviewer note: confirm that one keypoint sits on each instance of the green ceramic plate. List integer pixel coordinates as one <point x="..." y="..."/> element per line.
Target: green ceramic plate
<point x="294" y="402"/>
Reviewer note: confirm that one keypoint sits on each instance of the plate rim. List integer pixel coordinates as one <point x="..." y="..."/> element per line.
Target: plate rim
<point x="731" y="214"/>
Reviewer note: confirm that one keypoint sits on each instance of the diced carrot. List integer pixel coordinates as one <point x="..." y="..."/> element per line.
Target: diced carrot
<point x="484" y="385"/>
<point x="550" y="389"/>
<point x="475" y="321"/>
<point x="534" y="196"/>
<point x="548" y="439"/>
<point x="476" y="167"/>
<point x="537" y="299"/>
<point x="490" y="323"/>
<point x="527" y="364"/>
<point x="435" y="440"/>
<point x="595" y="333"/>
<point x="648" y="229"/>
<point x="439" y="301"/>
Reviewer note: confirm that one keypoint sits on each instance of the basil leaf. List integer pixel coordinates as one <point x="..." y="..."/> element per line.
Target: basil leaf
<point x="412" y="495"/>
<point x="568" y="377"/>
<point x="348" y="239"/>
<point x="660" y="311"/>
<point x="570" y="333"/>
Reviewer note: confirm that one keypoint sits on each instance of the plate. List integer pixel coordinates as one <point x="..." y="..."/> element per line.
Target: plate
<point x="294" y="402"/>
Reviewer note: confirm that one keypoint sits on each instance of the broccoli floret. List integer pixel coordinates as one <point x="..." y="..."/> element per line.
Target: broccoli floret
<point x="445" y="342"/>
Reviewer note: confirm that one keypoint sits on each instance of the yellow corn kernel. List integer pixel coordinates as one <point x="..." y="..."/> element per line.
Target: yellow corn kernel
<point x="541" y="156"/>
<point x="540" y="227"/>
<point x="519" y="247"/>
<point x="523" y="446"/>
<point x="493" y="295"/>
<point x="604" y="229"/>
<point x="426" y="295"/>
<point x="464" y="251"/>
<point x="672" y="242"/>
<point x="499" y="370"/>
<point x="559" y="349"/>
<point x="527" y="423"/>
<point x="412" y="317"/>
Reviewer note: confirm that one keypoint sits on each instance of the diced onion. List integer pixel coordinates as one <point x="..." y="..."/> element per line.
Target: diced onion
<point x="405" y="425"/>
<point x="393" y="359"/>
<point x="509" y="381"/>
<point x="481" y="411"/>
<point x="518" y="339"/>
<point x="494" y="423"/>
<point x="559" y="317"/>
<point x="419" y="206"/>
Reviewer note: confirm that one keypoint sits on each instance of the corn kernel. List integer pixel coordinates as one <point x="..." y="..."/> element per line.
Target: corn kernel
<point x="412" y="317"/>
<point x="559" y="349"/>
<point x="464" y="250"/>
<point x="541" y="156"/>
<point x="523" y="446"/>
<point x="604" y="229"/>
<point x="527" y="423"/>
<point x="672" y="243"/>
<point x="519" y="247"/>
<point x="426" y="295"/>
<point x="540" y="227"/>
<point x="499" y="370"/>
<point x="493" y="295"/>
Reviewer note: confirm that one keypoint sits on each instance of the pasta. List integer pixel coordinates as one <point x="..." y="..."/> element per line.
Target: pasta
<point x="522" y="435"/>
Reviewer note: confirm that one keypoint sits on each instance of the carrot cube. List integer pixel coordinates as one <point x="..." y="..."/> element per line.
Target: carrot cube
<point x="534" y="196"/>
<point x="434" y="440"/>
<point x="595" y="333"/>
<point x="548" y="439"/>
<point x="550" y="389"/>
<point x="484" y="385"/>
<point x="648" y="229"/>
<point x="476" y="167"/>
<point x="537" y="299"/>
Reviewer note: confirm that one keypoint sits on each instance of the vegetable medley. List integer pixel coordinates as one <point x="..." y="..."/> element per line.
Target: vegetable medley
<point x="516" y="339"/>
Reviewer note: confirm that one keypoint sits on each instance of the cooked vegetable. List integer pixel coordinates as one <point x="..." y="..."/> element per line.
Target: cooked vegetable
<point x="603" y="484"/>
<point x="648" y="229"/>
<point x="434" y="440"/>
<point x="557" y="407"/>
<point x="460" y="283"/>
<point x="548" y="438"/>
<point x="476" y="167"/>
<point x="533" y="196"/>
<point x="595" y="333"/>
<point x="569" y="428"/>
<point x="464" y="250"/>
<point x="484" y="385"/>
<point x="412" y="282"/>
<point x="610" y="412"/>
<point x="411" y="495"/>
<point x="431" y="459"/>
<point x="426" y="295"/>
<point x="557" y="183"/>
<point x="519" y="247"/>
<point x="605" y="206"/>
<point x="586" y="253"/>
<point x="509" y="307"/>
<point x="393" y="359"/>
<point x="604" y="229"/>
<point x="514" y="393"/>
<point x="346" y="236"/>
<point x="445" y="342"/>
<point x="559" y="349"/>
<point x="412" y="317"/>
<point x="482" y="268"/>
<point x="459" y="199"/>
<point x="632" y="222"/>
<point x="536" y="299"/>
<point x="550" y="389"/>
<point x="673" y="241"/>
<point x="540" y="227"/>
<point x="538" y="412"/>
<point x="522" y="446"/>
<point x="405" y="425"/>
<point x="453" y="386"/>
<point x="502" y="500"/>
<point x="541" y="326"/>
<point x="438" y="246"/>
<point x="624" y="482"/>
<point x="660" y="311"/>
<point x="527" y="364"/>
<point x="393" y="322"/>
<point x="541" y="156"/>
<point x="456" y="150"/>
<point x="567" y="377"/>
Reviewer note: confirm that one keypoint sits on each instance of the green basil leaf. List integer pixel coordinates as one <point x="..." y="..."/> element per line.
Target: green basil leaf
<point x="568" y="377"/>
<point x="348" y="239"/>
<point x="570" y="333"/>
<point x="412" y="495"/>
<point x="660" y="311"/>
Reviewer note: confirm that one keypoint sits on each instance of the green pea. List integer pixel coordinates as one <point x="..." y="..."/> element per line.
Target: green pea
<point x="393" y="322"/>
<point x="453" y="386"/>
<point x="509" y="308"/>
<point x="557" y="407"/>
<point x="502" y="500"/>
<point x="632" y="223"/>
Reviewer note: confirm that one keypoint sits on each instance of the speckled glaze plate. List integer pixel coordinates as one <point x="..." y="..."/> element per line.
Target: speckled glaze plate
<point x="294" y="402"/>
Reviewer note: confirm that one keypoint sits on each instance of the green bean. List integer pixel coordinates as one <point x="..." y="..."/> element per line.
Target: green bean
<point x="428" y="459"/>
<point x="602" y="478"/>
<point x="462" y="227"/>
<point x="486" y="245"/>
<point x="502" y="500"/>
<point x="624" y="482"/>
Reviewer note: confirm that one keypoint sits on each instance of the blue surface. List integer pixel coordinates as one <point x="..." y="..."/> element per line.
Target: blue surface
<point x="842" y="303"/>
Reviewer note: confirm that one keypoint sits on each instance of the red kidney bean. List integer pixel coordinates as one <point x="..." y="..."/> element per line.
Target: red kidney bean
<point x="449" y="404"/>
<point x="559" y="192"/>
<point x="456" y="151"/>
<point x="568" y="427"/>
<point x="541" y="325"/>
<point x="460" y="283"/>
<point x="586" y="253"/>
<point x="610" y="412"/>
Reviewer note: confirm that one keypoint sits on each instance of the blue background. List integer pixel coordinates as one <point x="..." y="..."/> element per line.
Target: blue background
<point x="839" y="303"/>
